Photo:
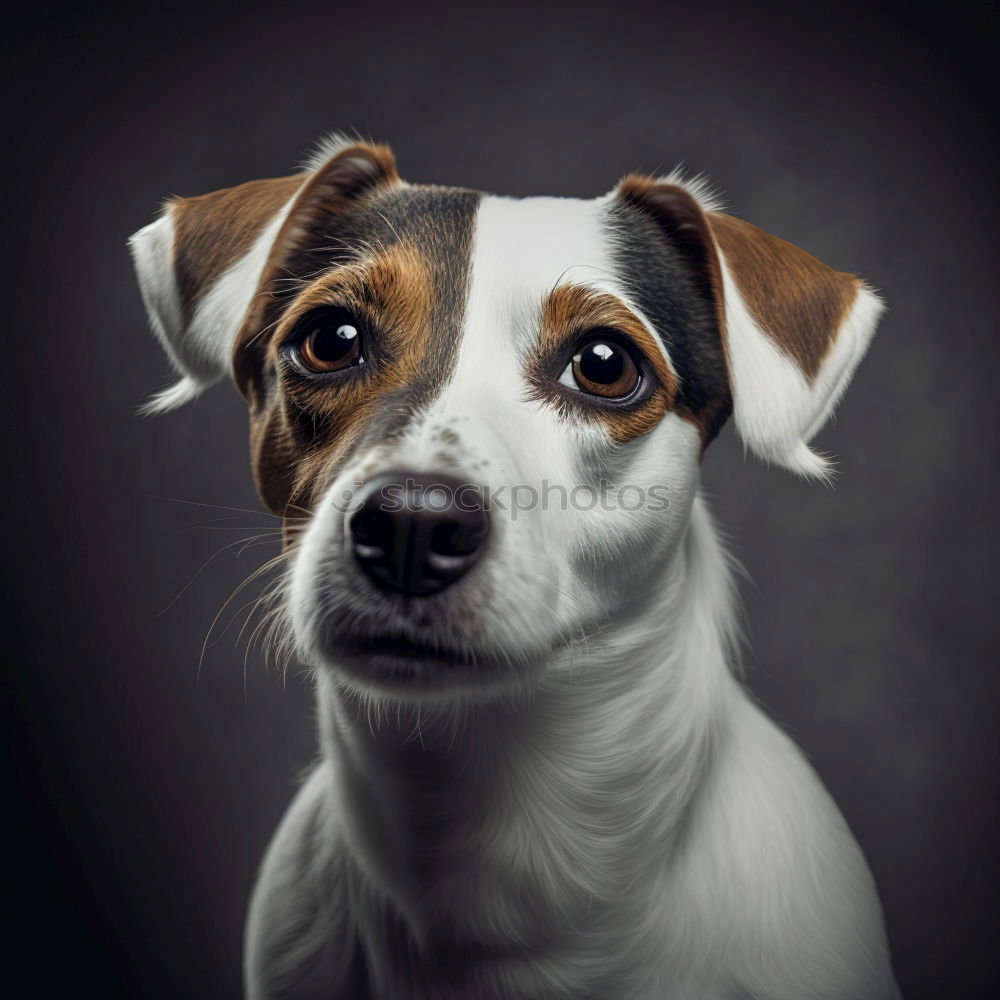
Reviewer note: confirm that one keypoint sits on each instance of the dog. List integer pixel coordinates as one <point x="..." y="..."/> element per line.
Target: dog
<point x="541" y="776"/>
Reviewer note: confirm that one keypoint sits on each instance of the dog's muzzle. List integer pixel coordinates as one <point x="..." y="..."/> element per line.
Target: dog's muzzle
<point x="415" y="535"/>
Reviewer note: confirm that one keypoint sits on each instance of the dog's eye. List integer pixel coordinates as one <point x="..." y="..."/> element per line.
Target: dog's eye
<point x="330" y="342"/>
<point x="602" y="367"/>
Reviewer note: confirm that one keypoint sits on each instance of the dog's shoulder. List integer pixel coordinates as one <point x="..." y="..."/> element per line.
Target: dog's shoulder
<point x="777" y="892"/>
<point x="299" y="940"/>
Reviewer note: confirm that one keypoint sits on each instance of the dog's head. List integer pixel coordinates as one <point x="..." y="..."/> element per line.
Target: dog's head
<point x="482" y="418"/>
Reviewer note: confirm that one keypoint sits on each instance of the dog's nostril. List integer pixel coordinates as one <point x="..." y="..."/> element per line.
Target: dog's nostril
<point x="460" y="538"/>
<point x="416" y="535"/>
<point x="372" y="528"/>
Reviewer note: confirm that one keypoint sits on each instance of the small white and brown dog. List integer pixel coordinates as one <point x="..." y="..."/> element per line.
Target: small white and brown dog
<point x="482" y="420"/>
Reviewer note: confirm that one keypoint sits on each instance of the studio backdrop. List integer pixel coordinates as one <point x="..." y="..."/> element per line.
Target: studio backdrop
<point x="150" y="751"/>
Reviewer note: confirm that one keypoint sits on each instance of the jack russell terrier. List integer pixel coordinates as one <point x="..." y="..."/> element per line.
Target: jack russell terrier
<point x="540" y="776"/>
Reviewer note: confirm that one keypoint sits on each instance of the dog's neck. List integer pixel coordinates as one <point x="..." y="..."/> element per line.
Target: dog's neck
<point x="551" y="808"/>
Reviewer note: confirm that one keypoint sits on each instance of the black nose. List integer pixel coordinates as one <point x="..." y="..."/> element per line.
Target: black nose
<point x="417" y="534"/>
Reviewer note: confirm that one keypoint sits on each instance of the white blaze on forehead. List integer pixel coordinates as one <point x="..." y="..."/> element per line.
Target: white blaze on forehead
<point x="522" y="249"/>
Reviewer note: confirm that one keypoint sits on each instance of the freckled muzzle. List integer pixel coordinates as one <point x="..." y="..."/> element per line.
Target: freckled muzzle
<point x="415" y="535"/>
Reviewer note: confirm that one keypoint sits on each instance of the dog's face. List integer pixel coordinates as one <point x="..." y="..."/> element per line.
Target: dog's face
<point x="483" y="418"/>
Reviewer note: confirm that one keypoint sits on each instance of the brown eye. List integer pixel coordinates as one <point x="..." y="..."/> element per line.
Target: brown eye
<point x="602" y="368"/>
<point x="331" y="343"/>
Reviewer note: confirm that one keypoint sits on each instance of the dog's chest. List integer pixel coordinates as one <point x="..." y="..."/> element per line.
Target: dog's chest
<point x="509" y="895"/>
<point x="497" y="935"/>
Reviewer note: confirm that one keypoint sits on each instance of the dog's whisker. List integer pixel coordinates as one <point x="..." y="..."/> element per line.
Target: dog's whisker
<point x="216" y="506"/>
<point x="268" y="596"/>
<point x="260" y="571"/>
<point x="262" y="531"/>
<point x="239" y="544"/>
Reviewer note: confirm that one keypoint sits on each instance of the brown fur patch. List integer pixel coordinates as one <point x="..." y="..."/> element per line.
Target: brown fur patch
<point x="397" y="257"/>
<point x="797" y="300"/>
<point x="341" y="180"/>
<point x="214" y="230"/>
<point x="572" y="310"/>
<point x="390" y="292"/>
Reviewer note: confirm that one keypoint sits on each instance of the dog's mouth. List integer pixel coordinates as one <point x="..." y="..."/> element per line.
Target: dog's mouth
<point x="402" y="648"/>
<point x="397" y="660"/>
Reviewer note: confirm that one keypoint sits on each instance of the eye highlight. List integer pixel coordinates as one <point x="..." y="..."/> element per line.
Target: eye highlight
<point x="602" y="367"/>
<point x="329" y="340"/>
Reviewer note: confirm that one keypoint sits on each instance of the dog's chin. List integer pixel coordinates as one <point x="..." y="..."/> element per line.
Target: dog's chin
<point x="400" y="667"/>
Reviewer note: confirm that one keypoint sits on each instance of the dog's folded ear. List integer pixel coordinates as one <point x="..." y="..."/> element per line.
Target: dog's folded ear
<point x="794" y="329"/>
<point x="207" y="265"/>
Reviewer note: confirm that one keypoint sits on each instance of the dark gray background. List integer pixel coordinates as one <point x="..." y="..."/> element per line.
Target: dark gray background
<point x="140" y="796"/>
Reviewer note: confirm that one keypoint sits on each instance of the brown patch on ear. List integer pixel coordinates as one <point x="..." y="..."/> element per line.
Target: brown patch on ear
<point x="348" y="175"/>
<point x="214" y="230"/>
<point x="795" y="299"/>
